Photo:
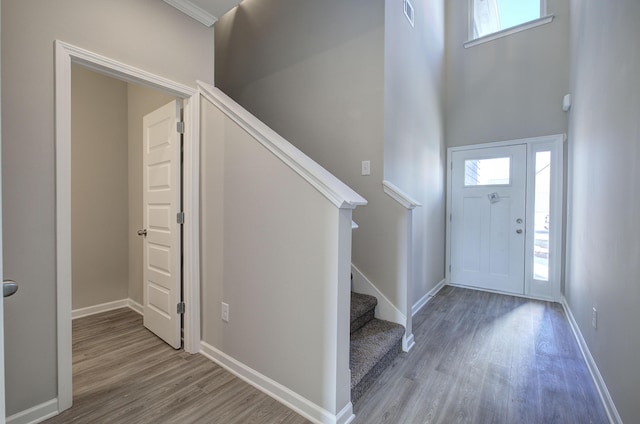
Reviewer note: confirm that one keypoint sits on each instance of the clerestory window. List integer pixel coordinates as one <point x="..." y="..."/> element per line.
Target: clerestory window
<point x="495" y="18"/>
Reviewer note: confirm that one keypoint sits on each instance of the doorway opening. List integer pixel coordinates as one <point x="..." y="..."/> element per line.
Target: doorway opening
<point x="106" y="190"/>
<point x="505" y="209"/>
<point x="65" y="56"/>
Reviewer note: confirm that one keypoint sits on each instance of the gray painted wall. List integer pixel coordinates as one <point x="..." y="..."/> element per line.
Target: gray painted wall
<point x="603" y="240"/>
<point x="280" y="270"/>
<point x="140" y="33"/>
<point x="315" y="72"/>
<point x="99" y="200"/>
<point x="508" y="88"/>
<point x="414" y="150"/>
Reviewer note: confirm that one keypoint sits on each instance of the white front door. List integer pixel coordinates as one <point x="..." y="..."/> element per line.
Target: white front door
<point x="488" y="194"/>
<point x="162" y="234"/>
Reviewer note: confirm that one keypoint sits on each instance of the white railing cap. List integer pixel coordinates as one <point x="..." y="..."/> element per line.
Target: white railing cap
<point x="400" y="196"/>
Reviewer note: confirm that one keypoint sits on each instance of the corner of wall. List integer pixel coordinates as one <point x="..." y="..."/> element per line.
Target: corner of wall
<point x="607" y="401"/>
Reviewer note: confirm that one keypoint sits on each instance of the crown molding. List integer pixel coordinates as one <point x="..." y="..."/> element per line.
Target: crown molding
<point x="196" y="12"/>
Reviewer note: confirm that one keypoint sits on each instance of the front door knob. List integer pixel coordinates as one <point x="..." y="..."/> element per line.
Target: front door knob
<point x="142" y="232"/>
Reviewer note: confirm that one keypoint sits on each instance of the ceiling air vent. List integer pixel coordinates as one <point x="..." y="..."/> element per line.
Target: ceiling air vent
<point x="408" y="11"/>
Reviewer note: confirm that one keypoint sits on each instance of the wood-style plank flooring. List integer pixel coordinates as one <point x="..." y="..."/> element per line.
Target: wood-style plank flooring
<point x="486" y="358"/>
<point x="122" y="373"/>
<point x="479" y="358"/>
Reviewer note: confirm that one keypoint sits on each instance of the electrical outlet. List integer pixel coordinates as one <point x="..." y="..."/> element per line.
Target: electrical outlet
<point x="225" y="312"/>
<point x="594" y="318"/>
<point x="366" y="167"/>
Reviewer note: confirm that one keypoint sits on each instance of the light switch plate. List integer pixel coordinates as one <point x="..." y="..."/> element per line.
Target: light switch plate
<point x="366" y="167"/>
<point x="225" y="312"/>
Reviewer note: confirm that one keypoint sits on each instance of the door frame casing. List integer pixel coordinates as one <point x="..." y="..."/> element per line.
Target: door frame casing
<point x="554" y="143"/>
<point x="65" y="55"/>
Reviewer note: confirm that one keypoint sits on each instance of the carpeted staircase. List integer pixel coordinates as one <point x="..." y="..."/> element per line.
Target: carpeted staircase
<point x="374" y="344"/>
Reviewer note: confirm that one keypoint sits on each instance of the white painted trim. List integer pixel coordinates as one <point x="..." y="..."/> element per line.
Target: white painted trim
<point x="193" y="10"/>
<point x="191" y="226"/>
<point x="408" y="342"/>
<point x="427" y="297"/>
<point x="97" y="309"/>
<point x="607" y="401"/>
<point x="399" y="195"/>
<point x="121" y="71"/>
<point x="65" y="54"/>
<point x="63" y="222"/>
<point x="508" y="31"/>
<point x="36" y="414"/>
<point x="135" y="306"/>
<point x="108" y="306"/>
<point x="332" y="188"/>
<point x="506" y="143"/>
<point x="272" y="388"/>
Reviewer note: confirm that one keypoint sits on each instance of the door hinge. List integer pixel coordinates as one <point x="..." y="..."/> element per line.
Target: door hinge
<point x="180" y="127"/>
<point x="181" y="308"/>
<point x="449" y="268"/>
<point x="180" y="217"/>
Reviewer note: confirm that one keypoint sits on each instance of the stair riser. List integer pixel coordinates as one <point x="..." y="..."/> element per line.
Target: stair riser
<point x="375" y="372"/>
<point x="362" y="320"/>
<point x="362" y="310"/>
<point x="374" y="344"/>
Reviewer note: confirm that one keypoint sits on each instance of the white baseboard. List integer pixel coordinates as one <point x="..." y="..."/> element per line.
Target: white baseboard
<point x="609" y="406"/>
<point x="427" y="297"/>
<point x="291" y="399"/>
<point x="36" y="414"/>
<point x="135" y="306"/>
<point x="96" y="309"/>
<point x="109" y="306"/>
<point x="408" y="342"/>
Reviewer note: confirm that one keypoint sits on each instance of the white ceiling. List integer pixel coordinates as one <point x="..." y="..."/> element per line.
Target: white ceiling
<point x="206" y="12"/>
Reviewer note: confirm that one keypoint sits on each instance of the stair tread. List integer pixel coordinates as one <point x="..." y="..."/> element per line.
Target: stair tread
<point x="370" y="344"/>
<point x="361" y="304"/>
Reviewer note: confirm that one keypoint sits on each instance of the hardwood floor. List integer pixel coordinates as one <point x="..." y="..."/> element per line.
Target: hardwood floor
<point x="479" y="358"/>
<point x="486" y="358"/>
<point x="122" y="373"/>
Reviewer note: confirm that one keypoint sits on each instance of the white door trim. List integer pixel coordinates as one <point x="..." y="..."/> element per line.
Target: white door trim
<point x="555" y="143"/>
<point x="65" y="55"/>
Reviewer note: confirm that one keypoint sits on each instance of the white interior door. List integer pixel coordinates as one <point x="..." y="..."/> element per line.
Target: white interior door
<point x="162" y="233"/>
<point x="488" y="194"/>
